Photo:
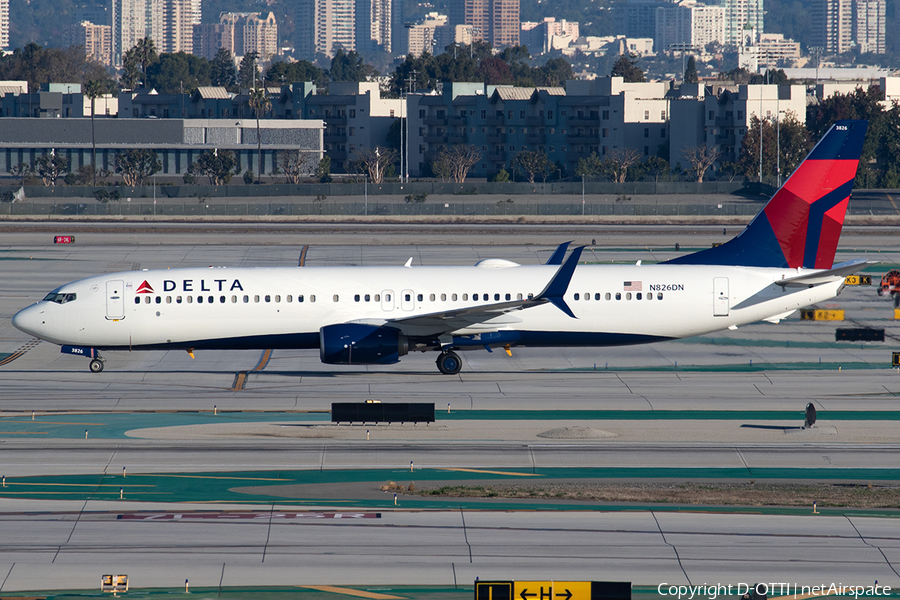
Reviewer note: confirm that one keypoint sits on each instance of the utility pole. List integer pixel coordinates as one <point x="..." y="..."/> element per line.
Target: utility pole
<point x="409" y="84"/>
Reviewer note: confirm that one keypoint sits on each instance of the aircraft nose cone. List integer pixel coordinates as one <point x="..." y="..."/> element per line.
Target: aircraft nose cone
<point x="28" y="320"/>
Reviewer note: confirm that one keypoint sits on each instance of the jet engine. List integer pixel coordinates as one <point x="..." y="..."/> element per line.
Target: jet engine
<point x="357" y="344"/>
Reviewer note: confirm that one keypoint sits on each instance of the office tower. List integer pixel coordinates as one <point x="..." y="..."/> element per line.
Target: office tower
<point x="178" y="27"/>
<point x="96" y="39"/>
<point x="869" y="25"/>
<point x="832" y="25"/>
<point x="636" y="19"/>
<point x="209" y="37"/>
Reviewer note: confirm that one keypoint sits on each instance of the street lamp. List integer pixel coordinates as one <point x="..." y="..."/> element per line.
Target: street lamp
<point x="366" y="187"/>
<point x="582" y="194"/>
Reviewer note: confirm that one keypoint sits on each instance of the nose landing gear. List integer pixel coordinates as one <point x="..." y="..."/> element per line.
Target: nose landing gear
<point x="448" y="363"/>
<point x="96" y="365"/>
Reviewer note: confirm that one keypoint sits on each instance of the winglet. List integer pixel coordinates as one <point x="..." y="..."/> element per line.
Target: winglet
<point x="408" y="263"/>
<point x="558" y="255"/>
<point x="558" y="286"/>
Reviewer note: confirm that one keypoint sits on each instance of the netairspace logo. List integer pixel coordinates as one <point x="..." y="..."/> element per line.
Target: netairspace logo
<point x="713" y="591"/>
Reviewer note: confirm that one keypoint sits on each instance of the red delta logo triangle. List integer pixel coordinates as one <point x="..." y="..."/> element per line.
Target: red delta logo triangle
<point x="144" y="288"/>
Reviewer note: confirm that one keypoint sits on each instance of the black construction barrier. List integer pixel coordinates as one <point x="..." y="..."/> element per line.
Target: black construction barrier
<point x="377" y="412"/>
<point x="863" y="334"/>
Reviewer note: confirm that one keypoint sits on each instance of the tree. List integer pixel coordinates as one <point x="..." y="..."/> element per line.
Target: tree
<point x="219" y="166"/>
<point x="93" y="89"/>
<point x="652" y="168"/>
<point x="461" y="159"/>
<point x="441" y="168"/>
<point x="794" y="143"/>
<point x="627" y="68"/>
<point x="21" y="171"/>
<point x="136" y="165"/>
<point x="221" y="69"/>
<point x="302" y="70"/>
<point x="615" y="166"/>
<point x="700" y="159"/>
<point x="374" y="161"/>
<point x="323" y="170"/>
<point x="131" y="71"/>
<point x="260" y="102"/>
<point x="177" y="73"/>
<point x="38" y="65"/>
<point x="690" y="71"/>
<point x="533" y="163"/>
<point x="50" y="167"/>
<point x="247" y="71"/>
<point x="296" y="164"/>
<point x="142" y="55"/>
<point x="350" y="67"/>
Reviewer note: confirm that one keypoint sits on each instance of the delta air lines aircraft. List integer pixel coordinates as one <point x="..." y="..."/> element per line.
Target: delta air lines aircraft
<point x="780" y="262"/>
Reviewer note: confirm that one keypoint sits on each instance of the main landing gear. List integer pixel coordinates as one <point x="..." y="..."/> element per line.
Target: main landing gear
<point x="96" y="365"/>
<point x="448" y="362"/>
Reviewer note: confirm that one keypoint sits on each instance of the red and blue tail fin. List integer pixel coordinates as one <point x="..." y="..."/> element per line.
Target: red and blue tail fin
<point x="801" y="225"/>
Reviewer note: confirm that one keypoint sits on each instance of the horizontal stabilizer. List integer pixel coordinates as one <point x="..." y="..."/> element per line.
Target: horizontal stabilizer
<point x="819" y="277"/>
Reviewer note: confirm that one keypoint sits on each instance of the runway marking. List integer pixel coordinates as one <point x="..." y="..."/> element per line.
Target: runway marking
<point x="90" y="485"/>
<point x="893" y="204"/>
<point x="305" y="249"/>
<point x="24" y="433"/>
<point x="495" y="472"/>
<point x="263" y="360"/>
<point x="20" y="352"/>
<point x="4" y="419"/>
<point x="351" y="592"/>
<point x="239" y="379"/>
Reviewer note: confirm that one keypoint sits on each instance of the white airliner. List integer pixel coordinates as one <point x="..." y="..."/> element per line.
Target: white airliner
<point x="782" y="261"/>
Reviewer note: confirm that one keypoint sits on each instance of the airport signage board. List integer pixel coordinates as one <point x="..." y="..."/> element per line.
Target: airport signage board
<point x="552" y="590"/>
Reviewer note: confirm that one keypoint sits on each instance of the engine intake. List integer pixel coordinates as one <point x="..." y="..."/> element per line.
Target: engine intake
<point x="356" y="344"/>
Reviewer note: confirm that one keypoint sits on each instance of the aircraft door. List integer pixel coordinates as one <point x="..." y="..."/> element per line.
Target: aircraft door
<point x="407" y="300"/>
<point x="720" y="297"/>
<point x="387" y="300"/>
<point x="115" y="300"/>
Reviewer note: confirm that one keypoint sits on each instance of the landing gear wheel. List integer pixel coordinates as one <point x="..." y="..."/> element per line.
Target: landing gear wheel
<point x="96" y="365"/>
<point x="449" y="363"/>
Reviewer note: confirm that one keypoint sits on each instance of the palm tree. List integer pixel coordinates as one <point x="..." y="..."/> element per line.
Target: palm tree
<point x="259" y="101"/>
<point x="145" y="53"/>
<point x="93" y="89"/>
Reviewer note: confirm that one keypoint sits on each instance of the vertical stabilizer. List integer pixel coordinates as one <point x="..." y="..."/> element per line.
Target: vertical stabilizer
<point x="801" y="225"/>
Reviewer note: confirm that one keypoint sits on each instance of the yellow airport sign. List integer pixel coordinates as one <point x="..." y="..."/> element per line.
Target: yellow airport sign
<point x="552" y="590"/>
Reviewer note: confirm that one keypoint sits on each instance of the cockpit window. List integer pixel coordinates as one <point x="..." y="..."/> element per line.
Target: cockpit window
<point x="59" y="298"/>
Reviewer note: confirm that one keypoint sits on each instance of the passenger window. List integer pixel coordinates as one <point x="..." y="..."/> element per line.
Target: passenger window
<point x="577" y="296"/>
<point x="210" y="299"/>
<point x="190" y="299"/>
<point x="234" y="299"/>
<point x="336" y="298"/>
<point x="221" y="299"/>
<point x="387" y="297"/>
<point x="465" y="297"/>
<point x="659" y="296"/>
<point x="597" y="296"/>
<point x="246" y="299"/>
<point x="650" y="296"/>
<point x="300" y="298"/>
<point x="453" y="297"/>
<point x="268" y="298"/>
<point x="356" y="298"/>
<point x="628" y="296"/>
<point x="168" y="299"/>
<point x="256" y="298"/>
<point x="312" y="297"/>
<point x="608" y="296"/>
<point x="419" y="297"/>
<point x="618" y="295"/>
<point x="177" y="299"/>
<point x="509" y="296"/>
<point x="137" y="300"/>
<point x="406" y="297"/>
<point x="530" y="296"/>
<point x="367" y="298"/>
<point x="377" y="297"/>
<point x="431" y="297"/>
<point x="496" y="297"/>
<point x="199" y="299"/>
<point x="289" y="299"/>
<point x="518" y="296"/>
<point x="638" y="296"/>
<point x="587" y="295"/>
<point x="277" y="298"/>
<point x="443" y="297"/>
<point x="159" y="299"/>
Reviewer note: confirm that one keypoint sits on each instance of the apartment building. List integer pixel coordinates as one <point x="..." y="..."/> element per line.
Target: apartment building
<point x="178" y="27"/>
<point x="423" y="36"/>
<point x="495" y="22"/>
<point x="4" y="24"/>
<point x="549" y="34"/>
<point x="688" y="26"/>
<point x="96" y="39"/>
<point x="832" y="23"/>
<point x="740" y="16"/>
<point x="869" y="25"/>
<point x="599" y="116"/>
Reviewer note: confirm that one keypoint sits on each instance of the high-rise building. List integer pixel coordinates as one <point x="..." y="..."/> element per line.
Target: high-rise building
<point x="869" y="25"/>
<point x="636" y="19"/>
<point x="689" y="26"/>
<point x="540" y="37"/>
<point x="493" y="21"/>
<point x="178" y="27"/>
<point x="739" y="15"/>
<point x="4" y="24"/>
<point x="209" y="37"/>
<point x="196" y="12"/>
<point x="324" y="26"/>
<point x="96" y="39"/>
<point x="128" y="26"/>
<point x="255" y="33"/>
<point x="422" y="36"/>
<point x="832" y="25"/>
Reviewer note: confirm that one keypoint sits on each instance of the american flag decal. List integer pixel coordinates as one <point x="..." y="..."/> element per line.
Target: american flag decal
<point x="633" y="286"/>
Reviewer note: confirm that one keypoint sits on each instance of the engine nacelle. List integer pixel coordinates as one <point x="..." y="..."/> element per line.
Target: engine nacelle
<point x="357" y="344"/>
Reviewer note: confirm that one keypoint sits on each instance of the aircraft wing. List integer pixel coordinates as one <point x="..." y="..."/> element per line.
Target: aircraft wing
<point x="441" y="322"/>
<point x="838" y="271"/>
